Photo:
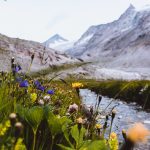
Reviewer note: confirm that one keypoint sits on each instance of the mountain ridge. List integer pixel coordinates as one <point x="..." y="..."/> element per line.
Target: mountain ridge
<point x="22" y="51"/>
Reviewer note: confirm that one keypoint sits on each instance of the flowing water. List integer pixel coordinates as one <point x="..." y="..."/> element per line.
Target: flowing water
<point x="127" y="114"/>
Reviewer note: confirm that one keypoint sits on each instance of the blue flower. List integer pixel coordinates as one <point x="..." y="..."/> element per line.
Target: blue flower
<point x="51" y="92"/>
<point x="24" y="83"/>
<point x="17" y="68"/>
<point x="41" y="88"/>
<point x="37" y="83"/>
<point x="18" y="79"/>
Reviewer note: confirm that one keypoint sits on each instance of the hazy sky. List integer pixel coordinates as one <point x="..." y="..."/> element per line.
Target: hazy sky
<point x="39" y="19"/>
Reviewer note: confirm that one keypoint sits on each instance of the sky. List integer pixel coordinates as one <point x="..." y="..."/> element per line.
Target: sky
<point x="38" y="20"/>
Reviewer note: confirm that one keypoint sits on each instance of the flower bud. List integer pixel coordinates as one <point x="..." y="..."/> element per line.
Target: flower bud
<point x="12" y="60"/>
<point x="124" y="134"/>
<point x="91" y="109"/>
<point x="32" y="57"/>
<point x="113" y="114"/>
<point x="18" y="129"/>
<point x="80" y="122"/>
<point x="13" y="118"/>
<point x="99" y="99"/>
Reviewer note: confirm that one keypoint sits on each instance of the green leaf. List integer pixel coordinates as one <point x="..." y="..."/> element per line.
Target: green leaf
<point x="34" y="116"/>
<point x="20" y="110"/>
<point x="66" y="134"/>
<point x="56" y="123"/>
<point x="78" y="136"/>
<point x="65" y="147"/>
<point x="75" y="133"/>
<point x="94" y="145"/>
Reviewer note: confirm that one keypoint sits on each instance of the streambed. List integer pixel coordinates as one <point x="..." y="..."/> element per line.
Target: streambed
<point x="127" y="114"/>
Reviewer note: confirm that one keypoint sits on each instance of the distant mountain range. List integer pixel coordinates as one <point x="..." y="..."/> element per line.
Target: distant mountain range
<point x="122" y="44"/>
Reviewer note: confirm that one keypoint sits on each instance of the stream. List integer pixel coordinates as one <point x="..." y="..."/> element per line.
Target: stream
<point x="127" y="114"/>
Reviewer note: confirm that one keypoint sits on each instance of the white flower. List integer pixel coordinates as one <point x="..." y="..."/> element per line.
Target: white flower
<point x="47" y="98"/>
<point x="41" y="102"/>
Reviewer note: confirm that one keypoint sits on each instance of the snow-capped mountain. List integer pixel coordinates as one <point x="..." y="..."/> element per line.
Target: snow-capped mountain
<point x="123" y="43"/>
<point x="58" y="43"/>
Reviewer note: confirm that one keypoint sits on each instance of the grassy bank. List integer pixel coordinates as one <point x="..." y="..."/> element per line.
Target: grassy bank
<point x="57" y="68"/>
<point x="129" y="91"/>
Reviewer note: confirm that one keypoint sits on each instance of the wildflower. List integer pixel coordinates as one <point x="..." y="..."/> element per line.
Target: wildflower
<point x="20" y="145"/>
<point x="32" y="57"/>
<point x="18" y="129"/>
<point x="47" y="97"/>
<point x="138" y="133"/>
<point x="51" y="92"/>
<point x="17" y="68"/>
<point x="4" y="127"/>
<point x="18" y="79"/>
<point x="41" y="102"/>
<point x="113" y="114"/>
<point x="99" y="100"/>
<point x="24" y="83"/>
<point x="12" y="118"/>
<point x="113" y="135"/>
<point x="80" y="120"/>
<point x="98" y="126"/>
<point x="12" y="60"/>
<point x="124" y="134"/>
<point x="41" y="88"/>
<point x="77" y="85"/>
<point x="33" y="97"/>
<point x="113" y="141"/>
<point x="73" y="108"/>
<point x="37" y="83"/>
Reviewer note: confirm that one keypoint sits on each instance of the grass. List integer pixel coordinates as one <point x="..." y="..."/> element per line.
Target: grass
<point x="56" y="69"/>
<point x="130" y="91"/>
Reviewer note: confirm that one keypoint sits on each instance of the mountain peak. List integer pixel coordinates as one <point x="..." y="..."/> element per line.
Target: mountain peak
<point x="131" y="7"/>
<point x="55" y="40"/>
<point x="57" y="37"/>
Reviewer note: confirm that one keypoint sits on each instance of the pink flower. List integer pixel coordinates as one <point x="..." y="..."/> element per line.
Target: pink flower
<point x="73" y="108"/>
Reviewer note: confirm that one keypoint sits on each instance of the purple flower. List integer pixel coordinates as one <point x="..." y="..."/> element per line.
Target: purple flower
<point x="16" y="68"/>
<point x="18" y="79"/>
<point x="41" y="88"/>
<point x="37" y="83"/>
<point x="51" y="92"/>
<point x="24" y="83"/>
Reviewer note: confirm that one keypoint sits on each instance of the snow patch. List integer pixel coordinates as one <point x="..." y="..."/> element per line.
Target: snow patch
<point x="85" y="39"/>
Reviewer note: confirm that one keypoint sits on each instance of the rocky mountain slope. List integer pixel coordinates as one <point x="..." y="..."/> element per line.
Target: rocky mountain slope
<point x="22" y="51"/>
<point x="122" y="44"/>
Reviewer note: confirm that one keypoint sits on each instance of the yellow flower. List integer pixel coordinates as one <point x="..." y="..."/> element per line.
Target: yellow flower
<point x="113" y="135"/>
<point x="80" y="120"/>
<point x="4" y="127"/>
<point x="77" y="85"/>
<point x="113" y="141"/>
<point x="138" y="133"/>
<point x="20" y="145"/>
<point x="33" y="97"/>
<point x="98" y="126"/>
